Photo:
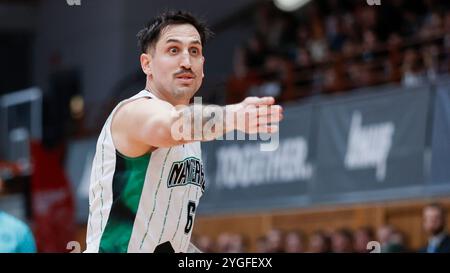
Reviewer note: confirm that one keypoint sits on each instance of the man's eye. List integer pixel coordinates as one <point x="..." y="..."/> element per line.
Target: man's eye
<point x="194" y="51"/>
<point x="173" y="50"/>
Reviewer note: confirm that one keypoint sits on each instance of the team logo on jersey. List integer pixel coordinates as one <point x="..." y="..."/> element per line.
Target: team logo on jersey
<point x="188" y="171"/>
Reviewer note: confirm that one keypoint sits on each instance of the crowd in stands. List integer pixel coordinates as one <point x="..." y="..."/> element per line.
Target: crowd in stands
<point x="332" y="46"/>
<point x="384" y="239"/>
<point x="341" y="240"/>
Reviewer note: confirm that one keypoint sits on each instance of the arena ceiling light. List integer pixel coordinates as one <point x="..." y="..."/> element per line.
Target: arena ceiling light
<point x="290" y="5"/>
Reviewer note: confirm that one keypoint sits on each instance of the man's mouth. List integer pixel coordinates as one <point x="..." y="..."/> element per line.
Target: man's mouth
<point x="185" y="78"/>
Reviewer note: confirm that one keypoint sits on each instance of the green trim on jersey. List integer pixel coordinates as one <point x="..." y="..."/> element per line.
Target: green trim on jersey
<point x="127" y="185"/>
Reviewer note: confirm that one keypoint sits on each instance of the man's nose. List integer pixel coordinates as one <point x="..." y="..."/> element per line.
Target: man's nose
<point x="185" y="60"/>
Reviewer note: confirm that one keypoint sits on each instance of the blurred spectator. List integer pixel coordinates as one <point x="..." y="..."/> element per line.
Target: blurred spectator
<point x="302" y="58"/>
<point x="236" y="244"/>
<point x="350" y="48"/>
<point x="318" y="47"/>
<point x="342" y="241"/>
<point x="363" y="236"/>
<point x="432" y="26"/>
<point x="230" y="243"/>
<point x="390" y="239"/>
<point x="15" y="235"/>
<point x="334" y="33"/>
<point x="384" y="234"/>
<point x="412" y="74"/>
<point x="275" y="241"/>
<point x="302" y="36"/>
<point x="261" y="245"/>
<point x="205" y="244"/>
<point x="369" y="45"/>
<point x="359" y="74"/>
<point x="293" y="242"/>
<point x="223" y="243"/>
<point x="393" y="63"/>
<point x="397" y="242"/>
<point x="430" y="55"/>
<point x="330" y="80"/>
<point x="319" y="242"/>
<point x="434" y="219"/>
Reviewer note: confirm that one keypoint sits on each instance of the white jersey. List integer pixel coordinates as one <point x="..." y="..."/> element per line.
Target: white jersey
<point x="143" y="204"/>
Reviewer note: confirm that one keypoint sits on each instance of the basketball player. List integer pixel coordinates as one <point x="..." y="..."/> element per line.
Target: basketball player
<point x="146" y="183"/>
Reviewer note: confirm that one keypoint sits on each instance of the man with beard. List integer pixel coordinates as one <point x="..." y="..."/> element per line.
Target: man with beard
<point x="434" y="219"/>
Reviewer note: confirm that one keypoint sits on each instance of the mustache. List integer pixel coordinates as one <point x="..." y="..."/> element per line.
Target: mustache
<point x="184" y="71"/>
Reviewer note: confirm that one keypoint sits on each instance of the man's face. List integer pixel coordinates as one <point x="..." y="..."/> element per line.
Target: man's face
<point x="433" y="221"/>
<point x="176" y="66"/>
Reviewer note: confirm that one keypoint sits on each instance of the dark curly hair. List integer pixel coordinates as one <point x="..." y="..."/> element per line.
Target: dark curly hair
<point x="149" y="35"/>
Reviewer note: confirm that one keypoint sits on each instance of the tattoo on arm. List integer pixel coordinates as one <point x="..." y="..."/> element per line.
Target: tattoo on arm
<point x="206" y="123"/>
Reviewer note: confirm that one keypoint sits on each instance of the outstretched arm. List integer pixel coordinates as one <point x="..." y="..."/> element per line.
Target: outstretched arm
<point x="160" y="124"/>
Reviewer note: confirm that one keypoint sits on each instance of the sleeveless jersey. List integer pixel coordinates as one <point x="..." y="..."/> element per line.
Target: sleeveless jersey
<point x="146" y="203"/>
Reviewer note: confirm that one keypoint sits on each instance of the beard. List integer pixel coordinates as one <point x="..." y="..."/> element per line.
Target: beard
<point x="437" y="230"/>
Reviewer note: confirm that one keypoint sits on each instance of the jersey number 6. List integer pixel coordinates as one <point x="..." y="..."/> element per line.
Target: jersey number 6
<point x="190" y="216"/>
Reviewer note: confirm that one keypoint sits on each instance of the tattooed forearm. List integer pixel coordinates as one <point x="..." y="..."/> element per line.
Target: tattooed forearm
<point x="206" y="122"/>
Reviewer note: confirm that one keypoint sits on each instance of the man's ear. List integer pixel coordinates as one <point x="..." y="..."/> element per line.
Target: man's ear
<point x="203" y="63"/>
<point x="146" y="59"/>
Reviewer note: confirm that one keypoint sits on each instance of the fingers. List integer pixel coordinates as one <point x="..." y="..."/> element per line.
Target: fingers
<point x="256" y="101"/>
<point x="259" y="115"/>
<point x="273" y="112"/>
<point x="264" y="115"/>
<point x="270" y="129"/>
<point x="261" y="119"/>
